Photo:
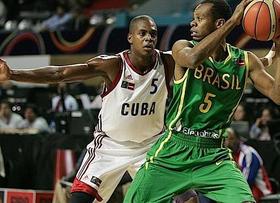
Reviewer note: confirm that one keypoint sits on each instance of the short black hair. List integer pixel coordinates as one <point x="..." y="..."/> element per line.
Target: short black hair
<point x="139" y="18"/>
<point x="220" y="9"/>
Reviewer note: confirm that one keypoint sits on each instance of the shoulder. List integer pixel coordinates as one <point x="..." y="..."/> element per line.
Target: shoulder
<point x="181" y="44"/>
<point x="180" y="49"/>
<point x="237" y="53"/>
<point x="107" y="66"/>
<point x="105" y="59"/>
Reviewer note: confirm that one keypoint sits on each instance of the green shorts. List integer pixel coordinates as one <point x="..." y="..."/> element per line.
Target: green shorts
<point x="179" y="162"/>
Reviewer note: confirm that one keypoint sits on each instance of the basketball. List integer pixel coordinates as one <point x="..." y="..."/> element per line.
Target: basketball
<point x="260" y="19"/>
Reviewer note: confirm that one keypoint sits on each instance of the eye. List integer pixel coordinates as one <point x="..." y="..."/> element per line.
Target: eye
<point x="142" y="33"/>
<point x="154" y="35"/>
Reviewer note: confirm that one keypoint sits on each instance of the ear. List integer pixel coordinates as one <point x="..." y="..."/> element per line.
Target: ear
<point x="220" y="22"/>
<point x="129" y="38"/>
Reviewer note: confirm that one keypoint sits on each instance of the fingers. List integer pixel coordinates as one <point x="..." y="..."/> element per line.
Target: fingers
<point x="239" y="10"/>
<point x="246" y="2"/>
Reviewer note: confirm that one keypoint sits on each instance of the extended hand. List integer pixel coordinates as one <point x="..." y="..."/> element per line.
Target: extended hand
<point x="4" y="71"/>
<point x="239" y="11"/>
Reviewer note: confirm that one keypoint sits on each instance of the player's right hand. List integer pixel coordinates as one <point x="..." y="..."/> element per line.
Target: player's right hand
<point x="4" y="71"/>
<point x="239" y="11"/>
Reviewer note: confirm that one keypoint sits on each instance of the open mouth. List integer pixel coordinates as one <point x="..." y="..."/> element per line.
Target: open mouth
<point x="149" y="47"/>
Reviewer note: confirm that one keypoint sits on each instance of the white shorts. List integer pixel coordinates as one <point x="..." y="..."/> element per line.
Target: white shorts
<point x="107" y="160"/>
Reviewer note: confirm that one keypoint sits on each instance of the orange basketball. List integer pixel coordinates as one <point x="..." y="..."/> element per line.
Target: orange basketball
<point x="261" y="19"/>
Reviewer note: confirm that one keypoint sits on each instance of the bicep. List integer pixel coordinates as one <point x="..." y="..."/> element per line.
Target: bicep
<point x="93" y="68"/>
<point x="262" y="81"/>
<point x="76" y="72"/>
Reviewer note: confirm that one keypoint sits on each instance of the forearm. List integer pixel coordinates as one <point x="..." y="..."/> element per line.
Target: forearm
<point x="49" y="74"/>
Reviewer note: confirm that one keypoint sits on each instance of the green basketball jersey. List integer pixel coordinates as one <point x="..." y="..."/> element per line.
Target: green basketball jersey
<point x="207" y="96"/>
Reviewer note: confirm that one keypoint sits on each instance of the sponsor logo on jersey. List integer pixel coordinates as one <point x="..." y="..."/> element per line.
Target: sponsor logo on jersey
<point x="128" y="77"/>
<point x="128" y="85"/>
<point x="200" y="133"/>
<point x="95" y="181"/>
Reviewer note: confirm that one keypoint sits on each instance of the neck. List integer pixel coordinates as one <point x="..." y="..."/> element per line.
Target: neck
<point x="220" y="53"/>
<point x="143" y="63"/>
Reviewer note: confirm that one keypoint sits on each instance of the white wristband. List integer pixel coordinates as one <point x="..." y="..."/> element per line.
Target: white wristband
<point x="269" y="56"/>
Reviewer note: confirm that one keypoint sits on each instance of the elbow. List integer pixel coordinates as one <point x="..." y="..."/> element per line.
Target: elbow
<point x="58" y="77"/>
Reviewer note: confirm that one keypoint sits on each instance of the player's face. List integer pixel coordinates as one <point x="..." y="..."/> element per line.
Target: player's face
<point x="203" y="23"/>
<point x="143" y="38"/>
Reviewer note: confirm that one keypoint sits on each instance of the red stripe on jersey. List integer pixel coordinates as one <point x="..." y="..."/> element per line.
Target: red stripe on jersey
<point x="136" y="69"/>
<point x="79" y="186"/>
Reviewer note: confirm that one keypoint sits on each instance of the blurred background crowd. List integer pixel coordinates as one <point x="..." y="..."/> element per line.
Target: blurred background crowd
<point x="78" y="14"/>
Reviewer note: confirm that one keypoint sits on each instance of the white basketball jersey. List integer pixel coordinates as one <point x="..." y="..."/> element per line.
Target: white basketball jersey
<point x="133" y="108"/>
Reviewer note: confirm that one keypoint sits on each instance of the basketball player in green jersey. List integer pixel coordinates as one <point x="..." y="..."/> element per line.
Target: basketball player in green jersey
<point x="210" y="77"/>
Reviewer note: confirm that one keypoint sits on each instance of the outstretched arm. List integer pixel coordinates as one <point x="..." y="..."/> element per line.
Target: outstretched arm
<point x="265" y="83"/>
<point x="98" y="66"/>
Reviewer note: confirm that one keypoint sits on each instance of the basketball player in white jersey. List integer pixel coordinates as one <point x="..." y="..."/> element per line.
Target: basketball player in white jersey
<point x="132" y="114"/>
